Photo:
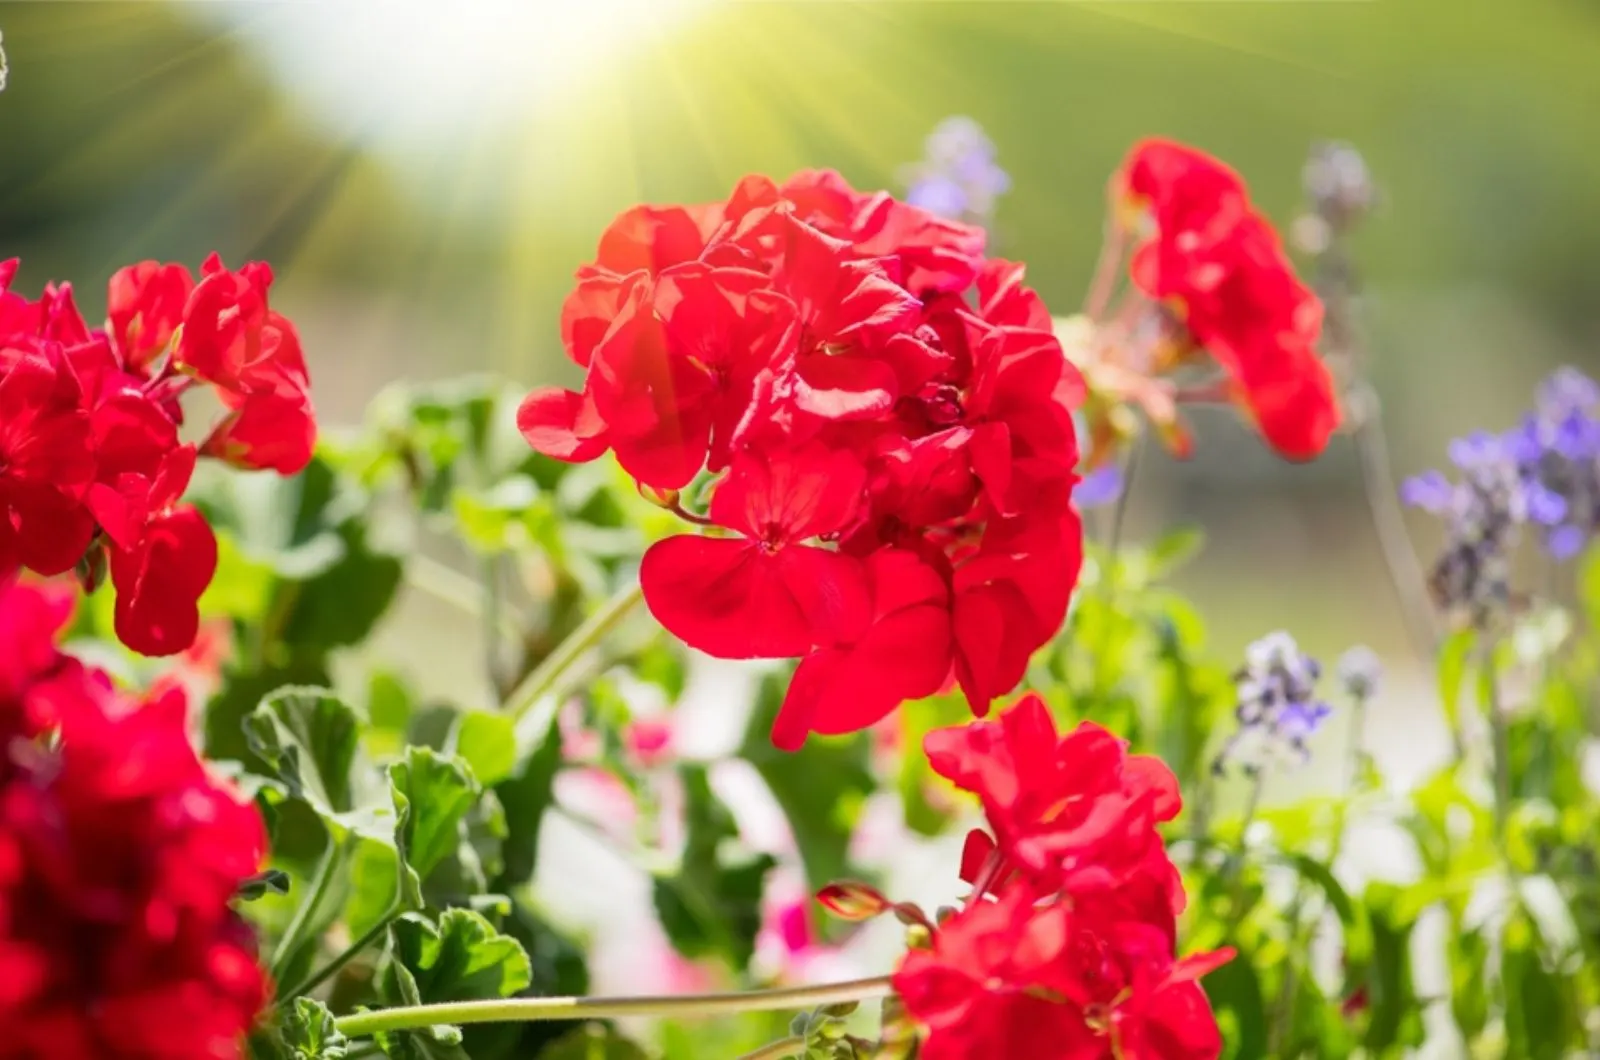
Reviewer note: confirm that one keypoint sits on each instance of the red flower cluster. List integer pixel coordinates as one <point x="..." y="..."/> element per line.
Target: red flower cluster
<point x="891" y="417"/>
<point x="1066" y="949"/>
<point x="91" y="467"/>
<point x="1218" y="264"/>
<point x="118" y="858"/>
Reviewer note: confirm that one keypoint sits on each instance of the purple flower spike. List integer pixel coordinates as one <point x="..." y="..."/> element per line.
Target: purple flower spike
<point x="958" y="176"/>
<point x="1277" y="708"/>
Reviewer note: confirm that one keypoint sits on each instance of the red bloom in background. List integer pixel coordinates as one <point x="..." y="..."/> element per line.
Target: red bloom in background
<point x="897" y="461"/>
<point x="1065" y="949"/>
<point x="1206" y="254"/>
<point x="90" y="460"/>
<point x="45" y="465"/>
<point x="119" y="856"/>
<point x="165" y="567"/>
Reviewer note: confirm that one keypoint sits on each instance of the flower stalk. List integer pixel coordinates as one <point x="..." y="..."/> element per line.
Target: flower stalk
<point x="542" y="680"/>
<point x="531" y="1009"/>
<point x="791" y="1046"/>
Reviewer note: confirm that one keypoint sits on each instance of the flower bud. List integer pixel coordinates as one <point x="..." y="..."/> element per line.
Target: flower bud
<point x="911" y="915"/>
<point x="1360" y="671"/>
<point x="661" y="498"/>
<point x="852" y="900"/>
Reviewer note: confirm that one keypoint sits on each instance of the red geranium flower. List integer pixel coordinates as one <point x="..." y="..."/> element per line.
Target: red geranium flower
<point x="1208" y="256"/>
<point x="119" y="856"/>
<point x="1065" y="949"/>
<point x="898" y="461"/>
<point x="90" y="460"/>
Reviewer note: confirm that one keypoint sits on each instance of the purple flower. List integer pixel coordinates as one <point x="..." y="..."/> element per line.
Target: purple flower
<point x="958" y="176"/>
<point x="1278" y="709"/>
<point x="1098" y="488"/>
<point x="1482" y="509"/>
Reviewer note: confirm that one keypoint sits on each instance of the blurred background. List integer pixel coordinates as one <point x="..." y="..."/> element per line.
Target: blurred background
<point x="424" y="177"/>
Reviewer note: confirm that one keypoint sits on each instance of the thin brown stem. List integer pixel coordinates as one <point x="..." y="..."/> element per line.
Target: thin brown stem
<point x="1106" y="268"/>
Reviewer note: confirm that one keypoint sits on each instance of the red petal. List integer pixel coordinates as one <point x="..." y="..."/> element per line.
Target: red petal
<point x="839" y="691"/>
<point x="975" y="854"/>
<point x="267" y="431"/>
<point x="589" y="311"/>
<point x="831" y="590"/>
<point x="159" y="583"/>
<point x="790" y="496"/>
<point x="725" y="597"/>
<point x="844" y="387"/>
<point x="990" y="452"/>
<point x="562" y="425"/>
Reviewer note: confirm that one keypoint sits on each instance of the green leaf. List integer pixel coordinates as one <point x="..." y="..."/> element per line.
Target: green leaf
<point x="439" y="792"/>
<point x="1540" y="1020"/>
<point x="1235" y="993"/>
<point x="712" y="905"/>
<point x="340" y="606"/>
<point x="821" y="788"/>
<point x="1468" y="953"/>
<point x="309" y="739"/>
<point x="525" y="796"/>
<point x="558" y="971"/>
<point x="304" y="1030"/>
<point x="1396" y="1014"/>
<point x="460" y="958"/>
<point x="423" y="1043"/>
<point x="390" y="704"/>
<point x="594" y="1042"/>
<point x="488" y="743"/>
<point x="1174" y="548"/>
<point x="242" y="691"/>
<point x="272" y="881"/>
<point x="1357" y="938"/>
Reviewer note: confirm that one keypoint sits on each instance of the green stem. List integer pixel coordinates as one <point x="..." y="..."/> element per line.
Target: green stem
<point x="1236" y="867"/>
<point x="294" y="934"/>
<point x="1406" y="576"/>
<point x="1501" y="750"/>
<point x="529" y="1009"/>
<point x="495" y="670"/>
<point x="1119" y="513"/>
<point x="329" y="970"/>
<point x="791" y="1046"/>
<point x="449" y="586"/>
<point x="543" y="679"/>
<point x="1103" y="662"/>
<point x="1355" y="753"/>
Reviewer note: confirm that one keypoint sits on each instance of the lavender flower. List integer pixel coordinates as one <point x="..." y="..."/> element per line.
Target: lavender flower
<point x="1278" y="709"/>
<point x="1544" y="471"/>
<point x="1483" y="511"/>
<point x="958" y="177"/>
<point x="1557" y="450"/>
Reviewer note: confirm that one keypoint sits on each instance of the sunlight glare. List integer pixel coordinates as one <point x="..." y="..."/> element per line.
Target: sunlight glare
<point x="410" y="73"/>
